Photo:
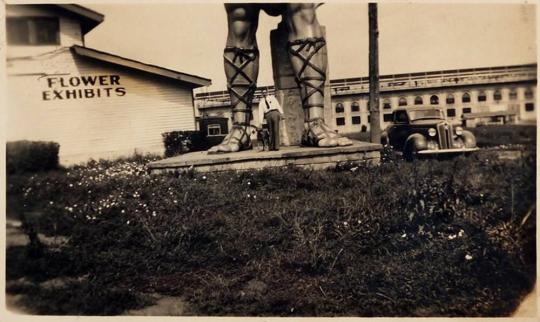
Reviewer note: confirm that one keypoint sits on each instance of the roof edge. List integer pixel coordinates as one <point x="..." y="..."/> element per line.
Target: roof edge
<point x="195" y="81"/>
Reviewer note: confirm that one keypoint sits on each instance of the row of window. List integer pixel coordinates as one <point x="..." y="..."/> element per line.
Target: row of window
<point x="434" y="100"/>
<point x="387" y="117"/>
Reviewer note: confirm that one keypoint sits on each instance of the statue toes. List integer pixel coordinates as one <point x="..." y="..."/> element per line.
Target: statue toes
<point x="327" y="142"/>
<point x="343" y="141"/>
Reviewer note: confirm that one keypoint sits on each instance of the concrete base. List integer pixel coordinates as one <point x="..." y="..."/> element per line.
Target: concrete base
<point x="313" y="158"/>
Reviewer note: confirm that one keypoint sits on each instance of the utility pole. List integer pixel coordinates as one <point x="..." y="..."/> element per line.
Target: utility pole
<point x="375" y="124"/>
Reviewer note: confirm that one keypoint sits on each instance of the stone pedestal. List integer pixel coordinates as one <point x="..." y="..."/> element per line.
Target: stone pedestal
<point x="287" y="90"/>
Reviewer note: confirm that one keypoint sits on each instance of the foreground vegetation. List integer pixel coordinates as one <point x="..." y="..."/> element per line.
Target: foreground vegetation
<point x="430" y="238"/>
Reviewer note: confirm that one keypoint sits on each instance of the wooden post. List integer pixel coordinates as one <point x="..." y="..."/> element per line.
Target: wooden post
<point x="375" y="124"/>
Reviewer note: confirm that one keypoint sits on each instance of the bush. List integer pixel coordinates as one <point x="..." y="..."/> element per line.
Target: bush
<point x="178" y="142"/>
<point x="31" y="156"/>
<point x="505" y="135"/>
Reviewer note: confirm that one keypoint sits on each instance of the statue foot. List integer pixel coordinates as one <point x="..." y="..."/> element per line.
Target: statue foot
<point x="317" y="133"/>
<point x="237" y="140"/>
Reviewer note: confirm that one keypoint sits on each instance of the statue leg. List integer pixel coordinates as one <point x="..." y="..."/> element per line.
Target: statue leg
<point x="309" y="64"/>
<point x="241" y="59"/>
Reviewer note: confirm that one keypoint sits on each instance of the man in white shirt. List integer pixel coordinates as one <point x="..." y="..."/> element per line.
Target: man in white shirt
<point x="270" y="111"/>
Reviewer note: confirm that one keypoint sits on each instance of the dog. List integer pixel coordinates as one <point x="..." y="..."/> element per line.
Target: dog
<point x="263" y="136"/>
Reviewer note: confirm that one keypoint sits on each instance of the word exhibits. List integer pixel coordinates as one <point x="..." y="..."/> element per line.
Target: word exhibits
<point x="78" y="87"/>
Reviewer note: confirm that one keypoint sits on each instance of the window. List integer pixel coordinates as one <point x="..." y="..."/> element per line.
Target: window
<point x="356" y="120"/>
<point x="497" y="96"/>
<point x="369" y="118"/>
<point x="387" y="117"/>
<point x="33" y="31"/>
<point x="340" y="121"/>
<point x="213" y="129"/>
<point x="340" y="108"/>
<point x="529" y="107"/>
<point x="528" y="93"/>
<point x="355" y="107"/>
<point x="513" y="94"/>
<point x="451" y="112"/>
<point x="482" y="96"/>
<point x="402" y="101"/>
<point x="450" y="99"/>
<point x="386" y="104"/>
<point x="418" y="100"/>
<point x="466" y="110"/>
<point x="364" y="128"/>
<point x="434" y="100"/>
<point x="466" y="98"/>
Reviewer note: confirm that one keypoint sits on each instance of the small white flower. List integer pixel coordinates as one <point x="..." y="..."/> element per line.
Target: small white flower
<point x="248" y="195"/>
<point x="404" y="235"/>
<point x="451" y="237"/>
<point x="154" y="213"/>
<point x="468" y="257"/>
<point x="204" y="177"/>
<point x="71" y="185"/>
<point x="51" y="202"/>
<point x="127" y="222"/>
<point x="461" y="233"/>
<point x="345" y="223"/>
<point x="123" y="211"/>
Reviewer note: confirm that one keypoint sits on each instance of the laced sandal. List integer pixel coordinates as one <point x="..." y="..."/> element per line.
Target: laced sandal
<point x="232" y="142"/>
<point x="240" y="85"/>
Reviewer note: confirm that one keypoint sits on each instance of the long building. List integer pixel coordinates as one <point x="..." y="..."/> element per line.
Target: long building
<point x="470" y="96"/>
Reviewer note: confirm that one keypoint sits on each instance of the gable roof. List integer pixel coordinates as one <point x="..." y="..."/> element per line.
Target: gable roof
<point x="191" y="80"/>
<point x="89" y="18"/>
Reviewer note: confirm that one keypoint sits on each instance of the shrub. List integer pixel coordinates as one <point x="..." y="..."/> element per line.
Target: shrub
<point x="504" y="135"/>
<point x="31" y="156"/>
<point x="178" y="142"/>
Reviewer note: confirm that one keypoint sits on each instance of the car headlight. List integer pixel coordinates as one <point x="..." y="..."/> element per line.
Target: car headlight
<point x="459" y="130"/>
<point x="432" y="132"/>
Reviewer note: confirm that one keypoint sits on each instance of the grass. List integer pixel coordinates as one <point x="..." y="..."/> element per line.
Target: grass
<point x="430" y="238"/>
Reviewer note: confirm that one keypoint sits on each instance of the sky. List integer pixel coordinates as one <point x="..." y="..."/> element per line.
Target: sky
<point x="413" y="37"/>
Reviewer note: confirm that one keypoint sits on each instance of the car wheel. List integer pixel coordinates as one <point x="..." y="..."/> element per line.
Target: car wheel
<point x="410" y="154"/>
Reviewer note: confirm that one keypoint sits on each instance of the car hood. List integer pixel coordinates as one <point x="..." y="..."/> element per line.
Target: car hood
<point x="426" y="122"/>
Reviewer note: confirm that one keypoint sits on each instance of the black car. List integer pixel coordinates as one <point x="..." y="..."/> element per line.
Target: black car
<point x="425" y="131"/>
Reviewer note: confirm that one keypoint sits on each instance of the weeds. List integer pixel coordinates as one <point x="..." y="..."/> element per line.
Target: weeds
<point x="435" y="238"/>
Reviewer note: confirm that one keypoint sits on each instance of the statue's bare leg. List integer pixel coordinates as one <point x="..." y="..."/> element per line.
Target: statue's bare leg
<point x="305" y="44"/>
<point x="241" y="58"/>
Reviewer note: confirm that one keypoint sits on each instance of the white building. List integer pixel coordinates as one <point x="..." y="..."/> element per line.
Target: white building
<point x="476" y="95"/>
<point x="94" y="104"/>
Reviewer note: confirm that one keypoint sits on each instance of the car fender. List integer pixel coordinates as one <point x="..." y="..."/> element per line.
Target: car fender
<point x="416" y="141"/>
<point x="468" y="139"/>
<point x="384" y="138"/>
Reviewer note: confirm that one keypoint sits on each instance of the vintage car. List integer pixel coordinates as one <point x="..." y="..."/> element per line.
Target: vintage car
<point x="424" y="131"/>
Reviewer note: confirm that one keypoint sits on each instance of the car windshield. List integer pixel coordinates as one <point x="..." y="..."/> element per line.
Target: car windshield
<point x="425" y="114"/>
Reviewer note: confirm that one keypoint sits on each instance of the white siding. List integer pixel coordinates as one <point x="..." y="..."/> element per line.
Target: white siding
<point x="95" y="127"/>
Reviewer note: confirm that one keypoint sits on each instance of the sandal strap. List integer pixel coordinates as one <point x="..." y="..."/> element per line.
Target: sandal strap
<point x="241" y="86"/>
<point x="312" y="84"/>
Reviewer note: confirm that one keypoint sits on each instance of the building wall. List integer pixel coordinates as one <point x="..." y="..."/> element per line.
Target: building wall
<point x="94" y="127"/>
<point x="519" y="104"/>
<point x="70" y="31"/>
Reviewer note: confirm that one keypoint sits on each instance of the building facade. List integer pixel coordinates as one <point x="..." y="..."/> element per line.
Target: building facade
<point x="94" y="104"/>
<point x="471" y="96"/>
